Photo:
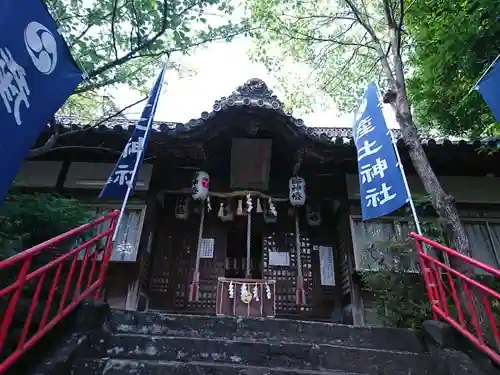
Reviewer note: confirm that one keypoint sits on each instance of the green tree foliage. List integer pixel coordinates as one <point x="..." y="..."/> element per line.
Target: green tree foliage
<point x="123" y="42"/>
<point x="400" y="296"/>
<point x="453" y="43"/>
<point x="347" y="43"/>
<point x="324" y="37"/>
<point x="27" y="220"/>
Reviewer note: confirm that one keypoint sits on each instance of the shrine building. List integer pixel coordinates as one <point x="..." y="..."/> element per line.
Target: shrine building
<point x="272" y="204"/>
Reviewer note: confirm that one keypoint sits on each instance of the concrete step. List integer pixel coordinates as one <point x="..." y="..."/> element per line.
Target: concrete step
<point x="126" y="366"/>
<point x="290" y="355"/>
<point x="272" y="330"/>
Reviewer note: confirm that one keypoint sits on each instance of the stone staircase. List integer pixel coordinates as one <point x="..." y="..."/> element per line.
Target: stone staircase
<point x="155" y="343"/>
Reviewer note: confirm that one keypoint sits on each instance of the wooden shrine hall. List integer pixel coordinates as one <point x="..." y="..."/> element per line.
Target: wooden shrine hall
<point x="246" y="211"/>
<point x="265" y="245"/>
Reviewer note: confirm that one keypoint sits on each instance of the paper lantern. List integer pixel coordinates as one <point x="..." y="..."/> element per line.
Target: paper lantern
<point x="297" y="191"/>
<point x="199" y="188"/>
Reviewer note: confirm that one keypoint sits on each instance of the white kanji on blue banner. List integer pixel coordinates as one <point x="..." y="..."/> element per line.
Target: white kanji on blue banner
<point x="37" y="75"/>
<point x="382" y="186"/>
<point x="125" y="172"/>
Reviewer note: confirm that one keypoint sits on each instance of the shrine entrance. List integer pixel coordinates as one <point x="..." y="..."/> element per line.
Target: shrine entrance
<point x="236" y="250"/>
<point x="254" y="240"/>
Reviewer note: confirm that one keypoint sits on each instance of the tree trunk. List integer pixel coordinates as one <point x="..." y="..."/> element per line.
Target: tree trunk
<point x="442" y="202"/>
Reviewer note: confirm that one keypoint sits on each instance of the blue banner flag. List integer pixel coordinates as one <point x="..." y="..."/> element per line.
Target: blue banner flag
<point x="124" y="174"/>
<point x="489" y="88"/>
<point x="382" y="188"/>
<point x="37" y="75"/>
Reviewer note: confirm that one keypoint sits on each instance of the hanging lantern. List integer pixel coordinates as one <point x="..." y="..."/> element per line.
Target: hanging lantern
<point x="182" y="208"/>
<point x="199" y="188"/>
<point x="297" y="191"/>
<point x="313" y="213"/>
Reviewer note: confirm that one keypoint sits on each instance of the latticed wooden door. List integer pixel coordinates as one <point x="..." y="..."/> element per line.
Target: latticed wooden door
<point x="286" y="276"/>
<point x="171" y="265"/>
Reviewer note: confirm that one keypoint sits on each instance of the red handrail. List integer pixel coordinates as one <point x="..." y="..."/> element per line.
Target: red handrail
<point x="87" y="284"/>
<point x="443" y="283"/>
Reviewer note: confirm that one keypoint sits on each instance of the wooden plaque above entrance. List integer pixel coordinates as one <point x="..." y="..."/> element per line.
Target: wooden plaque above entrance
<point x="245" y="297"/>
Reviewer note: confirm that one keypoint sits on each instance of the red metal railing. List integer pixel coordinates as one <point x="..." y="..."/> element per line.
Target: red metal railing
<point x="455" y="296"/>
<point x="66" y="291"/>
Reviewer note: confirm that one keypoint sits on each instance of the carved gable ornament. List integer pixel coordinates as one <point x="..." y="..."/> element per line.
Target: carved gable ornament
<point x="253" y="92"/>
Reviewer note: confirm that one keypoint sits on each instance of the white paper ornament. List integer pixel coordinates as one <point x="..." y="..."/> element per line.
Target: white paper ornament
<point x="268" y="291"/>
<point x="270" y="213"/>
<point x="200" y="185"/>
<point x="249" y="203"/>
<point x="231" y="290"/>
<point x="256" y="293"/>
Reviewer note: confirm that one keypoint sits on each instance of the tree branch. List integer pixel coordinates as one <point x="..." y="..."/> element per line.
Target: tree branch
<point x="134" y="51"/>
<point x="378" y="45"/>
<point x="51" y="142"/>
<point x="113" y="33"/>
<point x="56" y="128"/>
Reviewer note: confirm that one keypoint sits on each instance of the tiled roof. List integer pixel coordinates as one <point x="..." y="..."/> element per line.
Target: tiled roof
<point x="255" y="93"/>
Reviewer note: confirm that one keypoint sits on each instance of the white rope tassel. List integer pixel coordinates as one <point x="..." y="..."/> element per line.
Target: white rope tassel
<point x="239" y="210"/>
<point x="249" y="243"/>
<point x="221" y="211"/>
<point x="300" y="295"/>
<point x="193" y="290"/>
<point x="259" y="206"/>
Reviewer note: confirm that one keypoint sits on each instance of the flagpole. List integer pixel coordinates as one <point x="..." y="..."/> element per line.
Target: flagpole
<point x="403" y="174"/>
<point x="140" y="152"/>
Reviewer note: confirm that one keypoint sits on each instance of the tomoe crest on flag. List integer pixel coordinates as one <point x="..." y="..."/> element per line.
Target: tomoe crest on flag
<point x="41" y="46"/>
<point x="37" y="75"/>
